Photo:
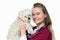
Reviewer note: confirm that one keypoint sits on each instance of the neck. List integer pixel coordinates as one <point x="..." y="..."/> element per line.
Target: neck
<point x="40" y="25"/>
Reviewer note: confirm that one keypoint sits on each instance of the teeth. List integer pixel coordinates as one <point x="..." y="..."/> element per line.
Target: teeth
<point x="35" y="20"/>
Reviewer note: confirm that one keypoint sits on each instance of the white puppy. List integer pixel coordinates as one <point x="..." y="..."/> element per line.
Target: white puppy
<point x="25" y="15"/>
<point x="14" y="30"/>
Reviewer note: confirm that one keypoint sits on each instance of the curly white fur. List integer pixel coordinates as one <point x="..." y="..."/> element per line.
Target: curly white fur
<point x="14" y="30"/>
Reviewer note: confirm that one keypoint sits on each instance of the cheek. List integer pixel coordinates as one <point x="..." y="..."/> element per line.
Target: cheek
<point x="32" y="17"/>
<point x="41" y="18"/>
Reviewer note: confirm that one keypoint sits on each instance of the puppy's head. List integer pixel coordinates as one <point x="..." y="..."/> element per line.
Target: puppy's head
<point x="25" y="15"/>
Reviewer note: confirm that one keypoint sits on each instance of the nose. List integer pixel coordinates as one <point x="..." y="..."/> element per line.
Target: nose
<point x="28" y="18"/>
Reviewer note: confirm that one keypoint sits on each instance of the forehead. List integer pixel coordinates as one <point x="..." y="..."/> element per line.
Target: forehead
<point x="36" y="9"/>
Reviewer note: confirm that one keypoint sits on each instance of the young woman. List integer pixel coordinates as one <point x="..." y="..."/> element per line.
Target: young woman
<point x="43" y="23"/>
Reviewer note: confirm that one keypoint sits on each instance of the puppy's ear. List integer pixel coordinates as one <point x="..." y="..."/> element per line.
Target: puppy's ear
<point x="24" y="13"/>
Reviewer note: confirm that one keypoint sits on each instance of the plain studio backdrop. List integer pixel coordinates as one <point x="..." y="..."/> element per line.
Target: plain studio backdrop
<point x="9" y="10"/>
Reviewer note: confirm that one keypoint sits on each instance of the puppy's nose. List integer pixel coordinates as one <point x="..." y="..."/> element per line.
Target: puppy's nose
<point x="29" y="18"/>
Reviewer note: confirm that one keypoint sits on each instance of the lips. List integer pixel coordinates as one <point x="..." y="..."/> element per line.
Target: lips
<point x="36" y="20"/>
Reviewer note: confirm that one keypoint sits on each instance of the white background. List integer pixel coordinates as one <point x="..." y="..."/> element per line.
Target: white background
<point x="9" y="10"/>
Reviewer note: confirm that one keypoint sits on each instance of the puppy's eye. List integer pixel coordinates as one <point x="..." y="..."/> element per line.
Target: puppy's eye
<point x="25" y="16"/>
<point x="29" y="15"/>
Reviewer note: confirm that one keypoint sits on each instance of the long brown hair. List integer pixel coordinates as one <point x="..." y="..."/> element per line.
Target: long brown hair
<point x="47" y="19"/>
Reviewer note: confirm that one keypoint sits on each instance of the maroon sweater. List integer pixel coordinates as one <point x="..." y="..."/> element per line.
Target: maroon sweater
<point x="43" y="34"/>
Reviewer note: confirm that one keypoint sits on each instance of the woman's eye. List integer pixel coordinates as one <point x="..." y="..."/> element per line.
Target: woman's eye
<point x="37" y="13"/>
<point x="32" y="14"/>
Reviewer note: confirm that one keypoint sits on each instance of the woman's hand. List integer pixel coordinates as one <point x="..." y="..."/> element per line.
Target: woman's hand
<point x="22" y="25"/>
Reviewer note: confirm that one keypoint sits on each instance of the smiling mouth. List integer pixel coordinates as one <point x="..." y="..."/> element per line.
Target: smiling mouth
<point x="36" y="20"/>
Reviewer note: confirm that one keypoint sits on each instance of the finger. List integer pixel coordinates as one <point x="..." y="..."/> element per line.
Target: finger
<point x="21" y="19"/>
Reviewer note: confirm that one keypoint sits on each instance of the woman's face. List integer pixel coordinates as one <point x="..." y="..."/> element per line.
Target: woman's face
<point x="38" y="15"/>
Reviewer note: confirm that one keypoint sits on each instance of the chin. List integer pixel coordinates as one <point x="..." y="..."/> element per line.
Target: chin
<point x="37" y="22"/>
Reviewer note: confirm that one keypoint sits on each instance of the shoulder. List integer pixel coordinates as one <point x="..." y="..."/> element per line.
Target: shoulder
<point x="45" y="33"/>
<point x="45" y="30"/>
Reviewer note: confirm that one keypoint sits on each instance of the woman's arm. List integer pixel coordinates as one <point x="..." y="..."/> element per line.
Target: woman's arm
<point x="22" y="25"/>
